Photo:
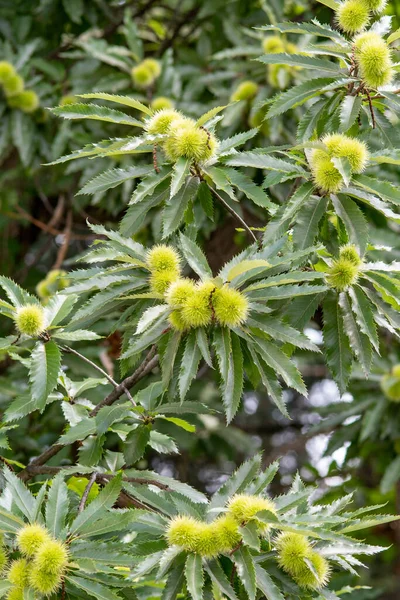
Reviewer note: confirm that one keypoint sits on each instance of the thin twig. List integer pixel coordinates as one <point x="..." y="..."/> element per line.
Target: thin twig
<point x="148" y="364"/>
<point x="91" y="363"/>
<point x="63" y="249"/>
<point x="234" y="214"/>
<point x="86" y="493"/>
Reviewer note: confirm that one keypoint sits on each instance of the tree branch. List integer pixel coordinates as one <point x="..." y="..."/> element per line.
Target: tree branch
<point x="234" y="214"/>
<point x="86" y="493"/>
<point x="144" y="368"/>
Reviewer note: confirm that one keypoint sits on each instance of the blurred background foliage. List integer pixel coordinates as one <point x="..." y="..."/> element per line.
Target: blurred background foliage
<point x="65" y="47"/>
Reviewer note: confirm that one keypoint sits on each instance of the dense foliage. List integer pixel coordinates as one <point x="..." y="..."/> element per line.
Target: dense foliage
<point x="200" y="209"/>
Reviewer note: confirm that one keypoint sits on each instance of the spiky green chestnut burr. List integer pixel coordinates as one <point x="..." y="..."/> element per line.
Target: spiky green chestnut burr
<point x="226" y="530"/>
<point x="342" y="274"/>
<point x="273" y="44"/>
<point x="390" y="384"/>
<point x="29" y="319"/>
<point x="374" y="60"/>
<point x="30" y="538"/>
<point x="352" y="16"/>
<point x="196" y="310"/>
<point x="15" y="593"/>
<point x="162" y="103"/>
<point x="189" y="141"/>
<point x="179" y="292"/>
<point x="377" y="6"/>
<point x="18" y="573"/>
<point x="230" y="306"/>
<point x="163" y="258"/>
<point x="244" y="91"/>
<point x="13" y="85"/>
<point x="44" y="582"/>
<point x="183" y="531"/>
<point x="160" y="281"/>
<point x="6" y="71"/>
<point x="153" y="66"/>
<point x="52" y="557"/>
<point x="343" y="146"/>
<point x="244" y="507"/>
<point x="176" y="321"/>
<point x="326" y="176"/>
<point x="27" y="101"/>
<point x="161" y="121"/>
<point x="350" y="253"/>
<point x="142" y="76"/>
<point x="292" y="549"/>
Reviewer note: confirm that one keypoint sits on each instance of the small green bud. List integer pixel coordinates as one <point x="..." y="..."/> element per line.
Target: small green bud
<point x="6" y="71"/>
<point x="13" y="85"/>
<point x="153" y="66"/>
<point x="142" y="76"/>
<point x="161" y="121"/>
<point x="162" y="103"/>
<point x="68" y="99"/>
<point x="390" y="384"/>
<point x="27" y="101"/>
<point x="244" y="91"/>
<point x="352" y="16"/>
<point x="273" y="44"/>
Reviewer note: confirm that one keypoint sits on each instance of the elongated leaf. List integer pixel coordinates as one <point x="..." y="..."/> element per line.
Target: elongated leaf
<point x="218" y="576"/>
<point x="307" y="222"/>
<point x="195" y="257"/>
<point x="353" y="219"/>
<point x="281" y="364"/>
<point x="21" y="496"/>
<point x="298" y="60"/>
<point x="297" y="95"/>
<point x="112" y="178"/>
<point x="43" y="373"/>
<point x="237" y="482"/>
<point x="194" y="576"/>
<point x="57" y="506"/>
<point x="262" y="161"/>
<point x="233" y="385"/>
<point x="93" y="588"/>
<point x="175" y="207"/>
<point x="15" y="293"/>
<point x="337" y="349"/>
<point x="358" y="341"/>
<point x="266" y="584"/>
<point x="349" y="111"/>
<point x="189" y="365"/>
<point x="95" y="112"/>
<point x="363" y="311"/>
<point x="384" y="189"/>
<point x="246" y="570"/>
<point x="125" y="100"/>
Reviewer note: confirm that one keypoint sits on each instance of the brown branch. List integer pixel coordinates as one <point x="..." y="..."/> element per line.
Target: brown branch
<point x="86" y="493"/>
<point x="22" y="214"/>
<point x="144" y="368"/>
<point x="234" y="214"/>
<point x="63" y="249"/>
